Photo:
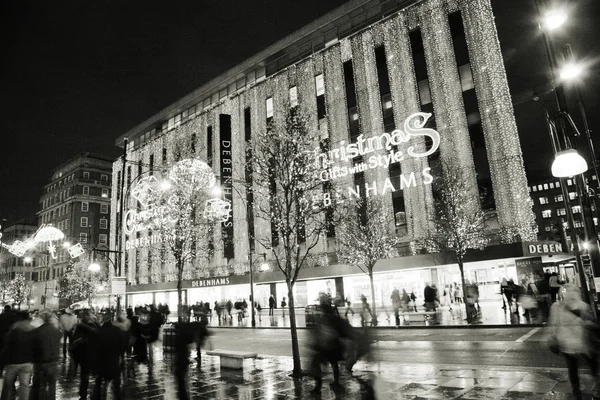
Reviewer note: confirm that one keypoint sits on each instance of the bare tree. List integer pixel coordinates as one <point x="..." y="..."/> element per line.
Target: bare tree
<point x="459" y="222"/>
<point x="366" y="236"/>
<point x="285" y="174"/>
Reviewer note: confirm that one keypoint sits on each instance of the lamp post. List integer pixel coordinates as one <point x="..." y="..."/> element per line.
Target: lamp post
<point x="567" y="161"/>
<point x="264" y="267"/>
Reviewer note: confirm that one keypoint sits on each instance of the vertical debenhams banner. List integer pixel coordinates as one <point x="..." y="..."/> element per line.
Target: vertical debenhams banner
<point x="226" y="181"/>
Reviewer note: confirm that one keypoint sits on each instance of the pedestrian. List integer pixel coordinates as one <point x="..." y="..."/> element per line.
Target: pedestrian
<point x="366" y="315"/>
<point x="458" y="294"/>
<point x="208" y="311"/>
<point x="573" y="333"/>
<point x="413" y="299"/>
<point x="82" y="349"/>
<point x="555" y="286"/>
<point x="67" y="322"/>
<point x="185" y="336"/>
<point x="429" y="294"/>
<point x="348" y="308"/>
<point x="258" y="311"/>
<point x="396" y="304"/>
<point x="283" y="305"/>
<point x="509" y="294"/>
<point x="46" y="347"/>
<point x="17" y="357"/>
<point x="7" y="318"/>
<point x="229" y="307"/>
<point x="110" y="347"/>
<point x="197" y="310"/>
<point x="326" y="342"/>
<point x="166" y="312"/>
<point x="271" y="305"/>
<point x="200" y="336"/>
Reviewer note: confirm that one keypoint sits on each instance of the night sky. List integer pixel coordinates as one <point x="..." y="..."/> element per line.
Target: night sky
<point x="77" y="74"/>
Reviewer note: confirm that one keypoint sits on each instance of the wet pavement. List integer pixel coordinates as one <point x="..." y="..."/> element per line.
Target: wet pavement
<point x="490" y="313"/>
<point x="268" y="378"/>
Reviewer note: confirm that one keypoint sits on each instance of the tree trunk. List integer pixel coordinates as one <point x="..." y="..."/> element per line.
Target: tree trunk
<point x="373" y="306"/>
<point x="464" y="288"/>
<point x="179" y="291"/>
<point x="297" y="371"/>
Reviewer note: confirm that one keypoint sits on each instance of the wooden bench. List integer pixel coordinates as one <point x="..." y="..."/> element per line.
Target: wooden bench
<point x="419" y="316"/>
<point x="231" y="359"/>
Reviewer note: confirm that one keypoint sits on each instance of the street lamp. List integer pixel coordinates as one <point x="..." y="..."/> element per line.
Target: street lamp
<point x="570" y="71"/>
<point x="264" y="266"/>
<point x="554" y="19"/>
<point x="568" y="163"/>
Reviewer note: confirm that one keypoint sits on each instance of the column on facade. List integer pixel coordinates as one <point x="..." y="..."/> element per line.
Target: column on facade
<point x="446" y="94"/>
<point x="337" y="112"/>
<point x="370" y="115"/>
<point x="511" y="195"/>
<point x="418" y="200"/>
<point x="235" y="108"/>
<point x="305" y="80"/>
<point x="115" y="210"/>
<point x="257" y="98"/>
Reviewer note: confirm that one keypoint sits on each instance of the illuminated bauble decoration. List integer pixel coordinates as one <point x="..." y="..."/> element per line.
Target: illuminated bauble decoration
<point x="194" y="172"/>
<point x="217" y="209"/>
<point x="568" y="163"/>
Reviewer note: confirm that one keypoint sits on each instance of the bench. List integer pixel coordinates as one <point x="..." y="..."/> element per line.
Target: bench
<point x="231" y="359"/>
<point x="419" y="316"/>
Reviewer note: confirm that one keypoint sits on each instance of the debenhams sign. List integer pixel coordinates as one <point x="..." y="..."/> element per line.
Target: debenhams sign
<point x="542" y="248"/>
<point x="210" y="282"/>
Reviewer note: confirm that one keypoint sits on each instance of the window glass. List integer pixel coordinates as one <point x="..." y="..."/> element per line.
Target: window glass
<point x="466" y="77"/>
<point x="103" y="239"/>
<point x="85" y="206"/>
<point x="320" y="85"/>
<point x="103" y="223"/>
<point x="86" y="190"/>
<point x="293" y="96"/>
<point x="84" y="222"/>
<point x="104" y="208"/>
<point x="547" y="214"/>
<point x="269" y="107"/>
<point x="83" y="238"/>
<point x="424" y="92"/>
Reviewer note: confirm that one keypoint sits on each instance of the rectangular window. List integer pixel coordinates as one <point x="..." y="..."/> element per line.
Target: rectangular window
<point x="270" y="107"/>
<point x="596" y="221"/>
<point x="104" y="193"/>
<point x="578" y="224"/>
<point x="103" y="239"/>
<point x="86" y="175"/>
<point x="424" y="92"/>
<point x="545" y="186"/>
<point x="320" y="85"/>
<point x="164" y="155"/>
<point x="86" y="190"/>
<point x="83" y="238"/>
<point x="576" y="209"/>
<point x="551" y="185"/>
<point x="547" y="229"/>
<point x="534" y="188"/>
<point x="103" y="223"/>
<point x="151" y="163"/>
<point x="466" y="77"/>
<point x="104" y="208"/>
<point x="293" y="96"/>
<point x="557" y="184"/>
<point x="104" y="177"/>
<point x="84" y="222"/>
<point x="543" y="200"/>
<point x="561" y="211"/>
<point x="558" y="198"/>
<point x="85" y="206"/>
<point x="193" y="144"/>
<point x="569" y="182"/>
<point x="572" y="195"/>
<point x="547" y="214"/>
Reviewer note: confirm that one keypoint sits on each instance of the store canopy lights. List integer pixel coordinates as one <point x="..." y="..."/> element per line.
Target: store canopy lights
<point x="568" y="163"/>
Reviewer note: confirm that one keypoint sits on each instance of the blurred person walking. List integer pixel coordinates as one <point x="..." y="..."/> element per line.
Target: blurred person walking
<point x="7" y="318"/>
<point x="574" y="334"/>
<point x="110" y="347"/>
<point x="46" y="347"/>
<point x="186" y="335"/>
<point x="67" y="322"/>
<point x="396" y="304"/>
<point x="17" y="357"/>
<point x="283" y="305"/>
<point x="271" y="305"/>
<point x="326" y="342"/>
<point x="83" y="349"/>
<point x="365" y="312"/>
<point x="555" y="287"/>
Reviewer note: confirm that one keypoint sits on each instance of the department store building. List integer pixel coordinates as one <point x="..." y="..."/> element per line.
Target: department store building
<point x="362" y="69"/>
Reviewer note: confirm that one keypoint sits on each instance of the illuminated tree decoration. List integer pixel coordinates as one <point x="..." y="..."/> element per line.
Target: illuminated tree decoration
<point x="366" y="237"/>
<point x="79" y="283"/>
<point x="19" y="290"/>
<point x="285" y="173"/>
<point x="179" y="215"/>
<point x="459" y="222"/>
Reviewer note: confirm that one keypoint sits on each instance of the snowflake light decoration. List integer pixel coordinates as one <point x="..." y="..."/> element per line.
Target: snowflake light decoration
<point x="217" y="209"/>
<point x="145" y="190"/>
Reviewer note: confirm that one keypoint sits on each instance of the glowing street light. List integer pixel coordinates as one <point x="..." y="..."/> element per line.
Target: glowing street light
<point x="570" y="71"/>
<point x="554" y="19"/>
<point x="216" y="191"/>
<point x="66" y="245"/>
<point x="94" y="267"/>
<point x="568" y="163"/>
<point x="28" y="260"/>
<point x="165" y="185"/>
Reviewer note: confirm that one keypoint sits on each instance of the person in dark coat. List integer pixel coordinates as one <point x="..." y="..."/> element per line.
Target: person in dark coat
<point x="110" y="346"/>
<point x="186" y="335"/>
<point x="429" y="294"/>
<point x="83" y="349"/>
<point x="271" y="305"/>
<point x="17" y="357"/>
<point x="46" y="346"/>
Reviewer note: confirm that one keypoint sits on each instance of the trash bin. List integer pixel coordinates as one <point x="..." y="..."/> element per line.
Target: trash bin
<point x="311" y="311"/>
<point x="169" y="335"/>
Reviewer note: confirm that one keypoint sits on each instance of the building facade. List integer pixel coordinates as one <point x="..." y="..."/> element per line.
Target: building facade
<point x="11" y="265"/>
<point x="77" y="201"/>
<point x="357" y="72"/>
